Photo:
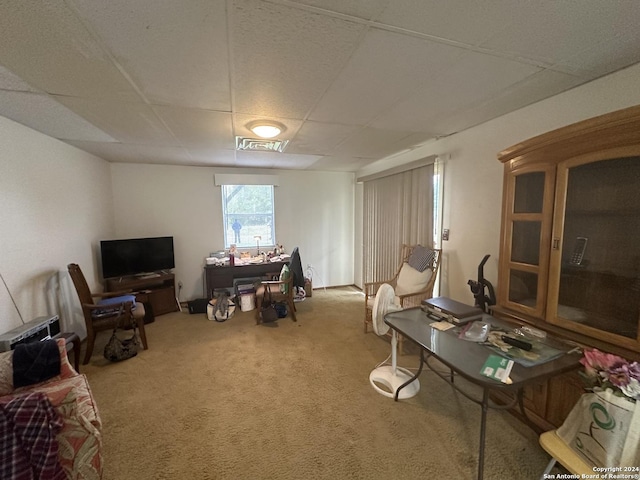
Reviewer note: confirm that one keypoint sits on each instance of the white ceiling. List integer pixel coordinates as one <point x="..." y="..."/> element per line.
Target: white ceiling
<point x="354" y="81"/>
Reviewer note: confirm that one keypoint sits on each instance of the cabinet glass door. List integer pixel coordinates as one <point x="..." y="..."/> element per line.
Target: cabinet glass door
<point x="524" y="258"/>
<point x="596" y="261"/>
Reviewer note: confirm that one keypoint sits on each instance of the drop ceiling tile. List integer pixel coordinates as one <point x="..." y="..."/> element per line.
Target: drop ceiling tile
<point x="126" y="153"/>
<point x="175" y="52"/>
<point x="44" y="114"/>
<point x="531" y="90"/>
<point x="285" y="58"/>
<point x="468" y="22"/>
<point x="368" y="10"/>
<point x="154" y="154"/>
<point x="294" y="162"/>
<point x="317" y="138"/>
<point x="409" y="142"/>
<point x="274" y="160"/>
<point x="110" y="152"/>
<point x="384" y="68"/>
<point x="133" y="123"/>
<point x="605" y="57"/>
<point x="112" y="63"/>
<point x="212" y="157"/>
<point x="10" y="81"/>
<point x="556" y="32"/>
<point x="339" y="164"/>
<point x="376" y="143"/>
<point x="474" y="79"/>
<point x="50" y="49"/>
<point x="198" y="128"/>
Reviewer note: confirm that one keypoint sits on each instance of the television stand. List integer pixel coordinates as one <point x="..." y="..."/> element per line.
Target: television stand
<point x="157" y="291"/>
<point x="146" y="276"/>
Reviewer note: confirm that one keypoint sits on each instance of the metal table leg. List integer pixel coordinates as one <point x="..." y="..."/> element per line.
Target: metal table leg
<point x="395" y="397"/>
<point x="483" y="431"/>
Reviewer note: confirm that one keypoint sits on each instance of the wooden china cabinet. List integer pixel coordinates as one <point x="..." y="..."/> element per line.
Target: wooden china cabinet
<point x="570" y="243"/>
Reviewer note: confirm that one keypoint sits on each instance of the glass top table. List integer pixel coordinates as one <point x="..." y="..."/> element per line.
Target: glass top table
<point x="467" y="358"/>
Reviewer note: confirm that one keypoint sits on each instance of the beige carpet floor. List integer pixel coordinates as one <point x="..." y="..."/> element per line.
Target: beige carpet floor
<point x="289" y="400"/>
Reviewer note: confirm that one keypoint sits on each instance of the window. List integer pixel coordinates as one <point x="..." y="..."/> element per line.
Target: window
<point x="247" y="213"/>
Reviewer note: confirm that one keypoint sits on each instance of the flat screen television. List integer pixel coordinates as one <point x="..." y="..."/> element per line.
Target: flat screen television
<point x="135" y="256"/>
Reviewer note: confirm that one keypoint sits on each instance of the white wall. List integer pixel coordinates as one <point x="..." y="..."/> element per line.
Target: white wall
<point x="473" y="175"/>
<point x="55" y="203"/>
<point x="313" y="211"/>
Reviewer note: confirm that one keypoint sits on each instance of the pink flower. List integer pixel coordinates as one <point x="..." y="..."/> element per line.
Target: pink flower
<point x="608" y="371"/>
<point x="595" y="361"/>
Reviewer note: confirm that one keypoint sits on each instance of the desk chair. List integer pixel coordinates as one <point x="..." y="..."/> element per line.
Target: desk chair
<point x="563" y="453"/>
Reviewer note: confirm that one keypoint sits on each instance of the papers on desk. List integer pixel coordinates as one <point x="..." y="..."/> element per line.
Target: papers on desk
<point x="441" y="325"/>
<point x="540" y="352"/>
<point x="498" y="368"/>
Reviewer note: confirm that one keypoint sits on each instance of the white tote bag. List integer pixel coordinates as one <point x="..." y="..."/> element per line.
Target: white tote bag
<point x="605" y="429"/>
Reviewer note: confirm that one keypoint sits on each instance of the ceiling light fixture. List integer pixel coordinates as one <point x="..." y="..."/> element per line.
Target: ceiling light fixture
<point x="258" y="144"/>
<point x="266" y="129"/>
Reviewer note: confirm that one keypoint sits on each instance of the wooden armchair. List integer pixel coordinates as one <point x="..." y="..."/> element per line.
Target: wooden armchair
<point x="281" y="291"/>
<point x="411" y="286"/>
<point x="106" y="316"/>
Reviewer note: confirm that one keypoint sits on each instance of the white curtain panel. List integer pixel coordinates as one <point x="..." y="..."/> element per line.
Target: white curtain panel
<point x="398" y="209"/>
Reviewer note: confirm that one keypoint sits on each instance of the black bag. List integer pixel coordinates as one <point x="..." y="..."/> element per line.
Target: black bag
<point x="281" y="309"/>
<point x="199" y="305"/>
<point x="267" y="309"/>
<point x="116" y="350"/>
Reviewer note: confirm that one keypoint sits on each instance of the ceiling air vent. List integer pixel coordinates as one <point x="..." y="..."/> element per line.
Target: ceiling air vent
<point x="260" y="144"/>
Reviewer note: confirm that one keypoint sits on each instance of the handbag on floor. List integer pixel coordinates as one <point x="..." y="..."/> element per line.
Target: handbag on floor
<point x="116" y="349"/>
<point x="268" y="311"/>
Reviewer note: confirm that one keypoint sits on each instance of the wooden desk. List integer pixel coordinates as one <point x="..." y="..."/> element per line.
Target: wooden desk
<point x="223" y="276"/>
<point x="467" y="358"/>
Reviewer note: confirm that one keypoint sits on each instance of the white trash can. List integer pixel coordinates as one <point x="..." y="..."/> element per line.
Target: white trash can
<point x="247" y="302"/>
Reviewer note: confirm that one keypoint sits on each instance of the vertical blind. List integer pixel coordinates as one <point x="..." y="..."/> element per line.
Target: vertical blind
<point x="398" y="209"/>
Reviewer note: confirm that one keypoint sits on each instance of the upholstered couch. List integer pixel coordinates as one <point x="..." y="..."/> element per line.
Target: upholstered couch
<point x="73" y="424"/>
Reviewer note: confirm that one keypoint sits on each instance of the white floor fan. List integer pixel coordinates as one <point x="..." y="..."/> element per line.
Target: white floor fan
<point x="389" y="376"/>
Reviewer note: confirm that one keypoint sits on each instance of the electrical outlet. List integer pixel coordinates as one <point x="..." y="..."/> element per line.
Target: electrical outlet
<point x="180" y="284"/>
<point x="445" y="234"/>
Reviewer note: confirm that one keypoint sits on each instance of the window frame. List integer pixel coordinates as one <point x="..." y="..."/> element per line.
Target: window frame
<point x="228" y="217"/>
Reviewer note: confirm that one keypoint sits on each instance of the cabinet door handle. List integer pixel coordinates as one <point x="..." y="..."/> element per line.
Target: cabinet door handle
<point x="556" y="243"/>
